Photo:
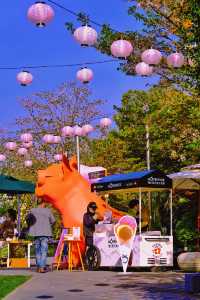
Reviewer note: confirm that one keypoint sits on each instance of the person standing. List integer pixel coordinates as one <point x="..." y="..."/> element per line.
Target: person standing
<point x="134" y="212"/>
<point x="41" y="220"/>
<point x="90" y="218"/>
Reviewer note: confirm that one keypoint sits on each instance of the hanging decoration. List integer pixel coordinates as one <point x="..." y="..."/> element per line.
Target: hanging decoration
<point x="85" y="75"/>
<point x="11" y="146"/>
<point x="40" y="13"/>
<point x="87" y="129"/>
<point x="151" y="56"/>
<point x="175" y="60"/>
<point x="2" y="157"/>
<point x="27" y="144"/>
<point x="143" y="69"/>
<point x="78" y="131"/>
<point x="121" y="48"/>
<point x="26" y="137"/>
<point x="105" y="122"/>
<point x="56" y="139"/>
<point x="28" y="163"/>
<point x="24" y="78"/>
<point x="85" y="35"/>
<point x="48" y="138"/>
<point x="67" y="131"/>
<point x="58" y="157"/>
<point x="22" y="151"/>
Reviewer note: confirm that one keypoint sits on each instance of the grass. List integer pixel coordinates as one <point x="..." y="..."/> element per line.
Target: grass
<point x="9" y="283"/>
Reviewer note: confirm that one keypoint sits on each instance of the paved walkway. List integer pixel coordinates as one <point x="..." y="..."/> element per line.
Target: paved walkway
<point x="101" y="285"/>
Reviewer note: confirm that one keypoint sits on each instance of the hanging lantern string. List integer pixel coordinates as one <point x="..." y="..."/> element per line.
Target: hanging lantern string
<point x="59" y="65"/>
<point x="77" y="14"/>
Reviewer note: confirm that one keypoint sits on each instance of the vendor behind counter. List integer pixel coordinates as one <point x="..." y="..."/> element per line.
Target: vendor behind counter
<point x="134" y="212"/>
<point x="8" y="227"/>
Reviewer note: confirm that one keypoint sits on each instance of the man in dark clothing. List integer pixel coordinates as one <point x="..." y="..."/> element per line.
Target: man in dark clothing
<point x="90" y="218"/>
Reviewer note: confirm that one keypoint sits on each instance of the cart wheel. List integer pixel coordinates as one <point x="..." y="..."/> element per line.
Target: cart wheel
<point x="92" y="258"/>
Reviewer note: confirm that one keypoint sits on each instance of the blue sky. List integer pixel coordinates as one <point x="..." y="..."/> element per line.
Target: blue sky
<point x="24" y="44"/>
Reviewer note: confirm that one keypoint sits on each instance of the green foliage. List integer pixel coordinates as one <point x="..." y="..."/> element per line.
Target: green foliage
<point x="184" y="220"/>
<point x="173" y="121"/>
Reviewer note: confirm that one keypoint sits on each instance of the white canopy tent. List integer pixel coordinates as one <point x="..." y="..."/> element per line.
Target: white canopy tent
<point x="187" y="179"/>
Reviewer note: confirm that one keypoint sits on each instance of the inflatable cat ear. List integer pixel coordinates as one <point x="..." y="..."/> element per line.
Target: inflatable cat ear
<point x="69" y="165"/>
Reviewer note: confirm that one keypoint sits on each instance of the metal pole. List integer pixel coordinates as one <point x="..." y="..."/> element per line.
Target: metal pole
<point x="148" y="168"/>
<point x="147" y="146"/>
<point x="171" y="214"/>
<point x="78" y="152"/>
<point x="18" y="215"/>
<point x="140" y="211"/>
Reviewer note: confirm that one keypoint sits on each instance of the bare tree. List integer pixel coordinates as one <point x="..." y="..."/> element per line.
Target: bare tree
<point x="48" y="112"/>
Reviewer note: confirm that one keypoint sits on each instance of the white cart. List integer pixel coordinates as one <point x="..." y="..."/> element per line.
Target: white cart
<point x="149" y="248"/>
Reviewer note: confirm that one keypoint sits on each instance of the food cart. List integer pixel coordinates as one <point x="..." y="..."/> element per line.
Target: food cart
<point x="150" y="248"/>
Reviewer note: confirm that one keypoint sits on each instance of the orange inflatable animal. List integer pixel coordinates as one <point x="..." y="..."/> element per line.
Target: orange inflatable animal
<point x="63" y="187"/>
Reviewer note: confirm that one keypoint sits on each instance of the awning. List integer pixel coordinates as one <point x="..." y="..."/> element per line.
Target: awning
<point x="186" y="180"/>
<point x="152" y="180"/>
<point x="12" y="185"/>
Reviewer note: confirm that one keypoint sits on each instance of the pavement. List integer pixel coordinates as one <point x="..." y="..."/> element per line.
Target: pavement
<point x="100" y="285"/>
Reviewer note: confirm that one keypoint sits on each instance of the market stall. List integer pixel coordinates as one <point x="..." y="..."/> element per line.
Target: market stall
<point x="12" y="187"/>
<point x="150" y="248"/>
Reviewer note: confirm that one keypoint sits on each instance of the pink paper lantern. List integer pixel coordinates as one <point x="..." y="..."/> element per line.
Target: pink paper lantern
<point x="40" y="14"/>
<point x="67" y="131"/>
<point x="56" y="139"/>
<point x="27" y="145"/>
<point x="26" y="137"/>
<point x="2" y="157"/>
<point x="87" y="128"/>
<point x="175" y="60"/>
<point x="151" y="56"/>
<point x="58" y="157"/>
<point x="28" y="163"/>
<point x="105" y="122"/>
<point x="48" y="138"/>
<point x="78" y="131"/>
<point x="22" y="151"/>
<point x="121" y="48"/>
<point x="24" y="78"/>
<point x="11" y="146"/>
<point x="85" y="35"/>
<point x="143" y="69"/>
<point x="85" y="75"/>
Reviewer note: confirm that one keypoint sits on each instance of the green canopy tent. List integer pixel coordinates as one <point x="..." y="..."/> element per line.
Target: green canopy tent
<point x="12" y="186"/>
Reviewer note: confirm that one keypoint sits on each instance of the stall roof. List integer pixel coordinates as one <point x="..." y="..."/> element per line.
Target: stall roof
<point x="147" y="180"/>
<point x="186" y="180"/>
<point x="12" y="185"/>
